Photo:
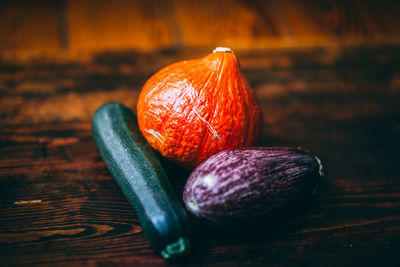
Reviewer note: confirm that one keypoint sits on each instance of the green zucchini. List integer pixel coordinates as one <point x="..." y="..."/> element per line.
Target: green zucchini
<point x="143" y="181"/>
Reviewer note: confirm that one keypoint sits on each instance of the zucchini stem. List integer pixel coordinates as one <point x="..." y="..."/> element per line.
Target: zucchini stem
<point x="177" y="249"/>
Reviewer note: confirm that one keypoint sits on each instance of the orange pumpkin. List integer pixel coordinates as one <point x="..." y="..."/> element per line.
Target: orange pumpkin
<point x="193" y="109"/>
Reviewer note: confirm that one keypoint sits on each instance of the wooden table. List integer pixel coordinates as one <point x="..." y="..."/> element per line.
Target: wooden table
<point x="60" y="206"/>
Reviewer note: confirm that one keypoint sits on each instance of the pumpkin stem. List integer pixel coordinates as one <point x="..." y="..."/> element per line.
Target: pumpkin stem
<point x="222" y="49"/>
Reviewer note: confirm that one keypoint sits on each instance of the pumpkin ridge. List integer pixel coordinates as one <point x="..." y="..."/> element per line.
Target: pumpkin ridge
<point x="246" y="105"/>
<point x="192" y="69"/>
<point x="219" y="71"/>
<point x="205" y="137"/>
<point x="230" y="95"/>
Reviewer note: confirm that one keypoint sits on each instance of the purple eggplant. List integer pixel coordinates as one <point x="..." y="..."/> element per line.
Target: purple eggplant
<point x="247" y="183"/>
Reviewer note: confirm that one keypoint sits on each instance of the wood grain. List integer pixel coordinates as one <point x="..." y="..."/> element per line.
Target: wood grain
<point x="27" y="26"/>
<point x="60" y="206"/>
<point x="76" y="29"/>
<point x="119" y="24"/>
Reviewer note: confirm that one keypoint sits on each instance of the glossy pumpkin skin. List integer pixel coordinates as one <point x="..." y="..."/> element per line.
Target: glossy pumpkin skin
<point x="193" y="109"/>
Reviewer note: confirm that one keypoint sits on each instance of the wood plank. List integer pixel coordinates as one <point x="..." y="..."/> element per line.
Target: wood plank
<point x="74" y="91"/>
<point x="99" y="25"/>
<point x="77" y="29"/>
<point x="28" y="27"/>
<point x="224" y="23"/>
<point x="64" y="208"/>
<point x="60" y="206"/>
<point x="335" y="20"/>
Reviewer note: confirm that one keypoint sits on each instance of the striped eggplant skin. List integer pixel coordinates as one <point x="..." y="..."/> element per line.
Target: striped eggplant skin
<point x="247" y="183"/>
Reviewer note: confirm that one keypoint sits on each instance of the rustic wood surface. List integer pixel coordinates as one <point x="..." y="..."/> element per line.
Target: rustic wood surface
<point x="72" y="28"/>
<point x="60" y="206"/>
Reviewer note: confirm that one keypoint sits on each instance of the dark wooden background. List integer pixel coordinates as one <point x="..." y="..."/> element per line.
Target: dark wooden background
<point x="335" y="97"/>
<point x="76" y="28"/>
